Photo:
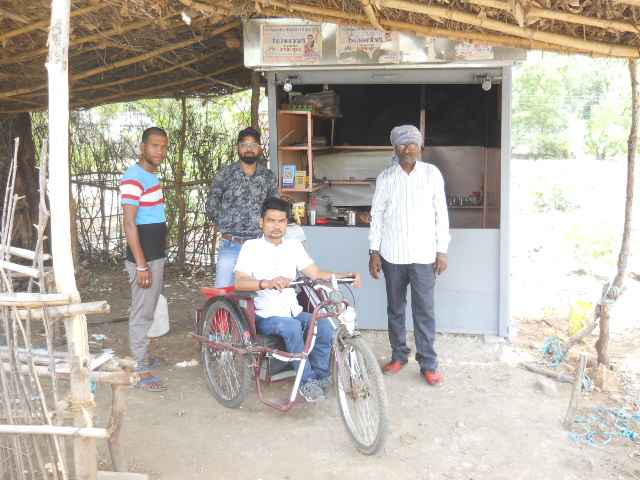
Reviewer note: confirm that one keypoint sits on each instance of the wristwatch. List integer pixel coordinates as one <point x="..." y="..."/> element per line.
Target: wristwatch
<point x="371" y="252"/>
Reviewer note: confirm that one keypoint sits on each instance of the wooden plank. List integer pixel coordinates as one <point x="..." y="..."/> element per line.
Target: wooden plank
<point x="54" y="430"/>
<point x="14" y="267"/>
<point x="24" y="299"/>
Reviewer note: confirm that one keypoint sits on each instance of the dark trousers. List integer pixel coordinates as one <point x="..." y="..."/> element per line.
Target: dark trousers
<point x="422" y="278"/>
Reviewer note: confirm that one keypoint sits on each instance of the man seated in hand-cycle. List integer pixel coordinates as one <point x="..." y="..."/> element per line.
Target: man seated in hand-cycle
<point x="268" y="264"/>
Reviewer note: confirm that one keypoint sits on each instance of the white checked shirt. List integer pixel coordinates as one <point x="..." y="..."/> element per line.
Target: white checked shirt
<point x="263" y="260"/>
<point x="409" y="222"/>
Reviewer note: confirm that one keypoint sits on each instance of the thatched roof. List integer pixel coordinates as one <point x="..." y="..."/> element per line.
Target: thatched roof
<point x="130" y="49"/>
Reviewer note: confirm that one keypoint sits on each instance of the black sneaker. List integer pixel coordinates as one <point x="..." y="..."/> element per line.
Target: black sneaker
<point x="311" y="391"/>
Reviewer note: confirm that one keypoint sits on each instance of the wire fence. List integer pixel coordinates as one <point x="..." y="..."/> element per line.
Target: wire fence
<point x="105" y="141"/>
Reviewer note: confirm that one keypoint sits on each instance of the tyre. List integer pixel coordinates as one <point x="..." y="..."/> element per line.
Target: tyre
<point x="228" y="373"/>
<point x="362" y="396"/>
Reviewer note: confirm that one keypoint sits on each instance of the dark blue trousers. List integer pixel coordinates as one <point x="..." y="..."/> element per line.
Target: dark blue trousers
<point x="422" y="278"/>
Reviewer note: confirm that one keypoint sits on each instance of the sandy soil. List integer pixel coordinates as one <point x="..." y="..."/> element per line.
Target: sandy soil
<point x="491" y="419"/>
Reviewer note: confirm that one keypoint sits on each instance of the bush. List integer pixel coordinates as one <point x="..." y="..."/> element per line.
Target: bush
<point x="552" y="201"/>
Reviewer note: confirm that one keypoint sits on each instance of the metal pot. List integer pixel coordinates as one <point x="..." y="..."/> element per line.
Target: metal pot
<point x="351" y="217"/>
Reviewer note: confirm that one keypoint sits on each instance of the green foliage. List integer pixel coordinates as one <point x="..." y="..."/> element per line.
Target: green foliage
<point x="596" y="245"/>
<point x="553" y="95"/>
<point x="551" y="201"/>
<point x="105" y="141"/>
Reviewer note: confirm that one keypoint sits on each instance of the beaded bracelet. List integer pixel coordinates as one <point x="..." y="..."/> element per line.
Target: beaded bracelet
<point x="142" y="269"/>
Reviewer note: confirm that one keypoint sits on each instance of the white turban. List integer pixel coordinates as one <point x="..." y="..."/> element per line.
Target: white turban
<point x="405" y="134"/>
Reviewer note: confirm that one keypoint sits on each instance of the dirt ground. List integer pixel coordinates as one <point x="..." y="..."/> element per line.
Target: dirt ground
<point x="491" y="419"/>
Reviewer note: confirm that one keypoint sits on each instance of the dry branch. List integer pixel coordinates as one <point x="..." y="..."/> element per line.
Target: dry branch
<point x="23" y="253"/>
<point x="560" y="376"/>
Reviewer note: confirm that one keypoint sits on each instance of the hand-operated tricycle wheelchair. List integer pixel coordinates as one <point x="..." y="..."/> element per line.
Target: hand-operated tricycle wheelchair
<point x="232" y="352"/>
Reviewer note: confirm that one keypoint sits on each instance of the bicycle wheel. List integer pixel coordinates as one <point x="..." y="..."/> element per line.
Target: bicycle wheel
<point x="228" y="373"/>
<point x="362" y="396"/>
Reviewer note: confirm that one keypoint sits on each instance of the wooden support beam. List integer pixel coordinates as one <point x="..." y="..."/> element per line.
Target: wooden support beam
<point x="446" y="13"/>
<point x="45" y="23"/>
<point x="84" y="448"/>
<point x="15" y="267"/>
<point x="54" y="313"/>
<point x="22" y="253"/>
<point x="607" y="24"/>
<point x="55" y="430"/>
<point x="570" y="417"/>
<point x="26" y="300"/>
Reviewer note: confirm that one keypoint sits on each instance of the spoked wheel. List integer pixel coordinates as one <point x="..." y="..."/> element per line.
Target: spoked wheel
<point x="228" y="373"/>
<point x="361" y="395"/>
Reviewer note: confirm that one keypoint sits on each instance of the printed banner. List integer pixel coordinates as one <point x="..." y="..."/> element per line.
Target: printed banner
<point x="358" y="45"/>
<point x="290" y="44"/>
<point x="474" y="51"/>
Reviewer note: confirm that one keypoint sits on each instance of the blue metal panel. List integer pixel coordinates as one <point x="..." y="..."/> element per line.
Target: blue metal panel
<point x="467" y="298"/>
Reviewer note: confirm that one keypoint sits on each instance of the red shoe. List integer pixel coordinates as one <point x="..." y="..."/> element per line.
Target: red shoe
<point x="393" y="367"/>
<point x="434" y="377"/>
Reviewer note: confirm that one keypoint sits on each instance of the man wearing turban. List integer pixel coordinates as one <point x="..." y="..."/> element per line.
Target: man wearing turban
<point x="408" y="242"/>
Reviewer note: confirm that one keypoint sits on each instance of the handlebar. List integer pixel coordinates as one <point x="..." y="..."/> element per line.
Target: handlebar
<point x="320" y="281"/>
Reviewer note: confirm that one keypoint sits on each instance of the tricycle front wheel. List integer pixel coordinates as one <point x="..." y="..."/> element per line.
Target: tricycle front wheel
<point x="228" y="373"/>
<point x="361" y="394"/>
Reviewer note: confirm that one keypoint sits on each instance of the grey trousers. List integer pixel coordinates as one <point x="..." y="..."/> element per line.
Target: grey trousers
<point x="143" y="307"/>
<point x="422" y="278"/>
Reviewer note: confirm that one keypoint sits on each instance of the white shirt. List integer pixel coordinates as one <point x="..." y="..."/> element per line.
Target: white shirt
<point x="409" y="221"/>
<point x="263" y="260"/>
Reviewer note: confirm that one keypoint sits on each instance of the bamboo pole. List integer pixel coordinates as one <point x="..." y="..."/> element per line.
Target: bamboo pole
<point x="15" y="267"/>
<point x="608" y="24"/>
<point x="445" y="13"/>
<point x="80" y="40"/>
<point x="337" y="16"/>
<point x="371" y="15"/>
<point x="23" y="253"/>
<point x="179" y="175"/>
<point x="55" y="430"/>
<point x="24" y="299"/>
<point x="45" y="23"/>
<point x="128" y="61"/>
<point x="85" y="453"/>
<point x="66" y="310"/>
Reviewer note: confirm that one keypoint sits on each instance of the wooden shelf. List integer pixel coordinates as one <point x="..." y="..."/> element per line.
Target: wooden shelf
<point x="466" y="207"/>
<point x="306" y="148"/>
<point x="349" y="182"/>
<point x="311" y="189"/>
<point x="306" y="112"/>
<point x="351" y="147"/>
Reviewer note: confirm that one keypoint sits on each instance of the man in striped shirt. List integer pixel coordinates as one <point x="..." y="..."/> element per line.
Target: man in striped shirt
<point x="146" y="232"/>
<point x="408" y="242"/>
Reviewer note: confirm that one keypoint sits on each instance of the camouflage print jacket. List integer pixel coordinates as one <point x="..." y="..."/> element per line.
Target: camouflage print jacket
<point x="235" y="199"/>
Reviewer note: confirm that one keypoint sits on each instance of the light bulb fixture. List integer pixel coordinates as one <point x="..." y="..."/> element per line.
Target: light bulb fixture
<point x="486" y="84"/>
<point x="288" y="86"/>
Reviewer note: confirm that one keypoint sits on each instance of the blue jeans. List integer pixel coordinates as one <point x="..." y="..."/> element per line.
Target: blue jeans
<point x="228" y="253"/>
<point x="293" y="331"/>
<point x="422" y="278"/>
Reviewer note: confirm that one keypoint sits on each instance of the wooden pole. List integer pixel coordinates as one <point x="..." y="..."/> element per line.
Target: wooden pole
<point x="575" y="394"/>
<point x="55" y="430"/>
<point x="255" y="99"/>
<point x="179" y="193"/>
<point x="81" y="399"/>
<point x="118" y="406"/>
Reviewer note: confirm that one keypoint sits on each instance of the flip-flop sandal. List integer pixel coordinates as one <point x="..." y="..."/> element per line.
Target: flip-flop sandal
<point x="158" y="362"/>
<point x="142" y="384"/>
